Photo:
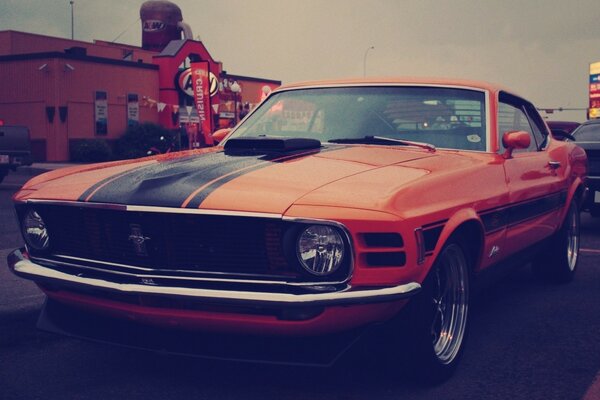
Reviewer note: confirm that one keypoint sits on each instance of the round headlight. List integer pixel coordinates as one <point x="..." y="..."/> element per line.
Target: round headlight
<point x="320" y="249"/>
<point x="34" y="231"/>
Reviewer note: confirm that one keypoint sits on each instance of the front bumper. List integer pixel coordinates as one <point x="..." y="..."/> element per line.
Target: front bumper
<point x="25" y="268"/>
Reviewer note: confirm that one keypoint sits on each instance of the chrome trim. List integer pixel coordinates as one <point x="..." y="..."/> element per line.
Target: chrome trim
<point x="486" y="92"/>
<point x="488" y="123"/>
<point x="420" y="242"/>
<point x="341" y="227"/>
<point x="170" y="210"/>
<point x="152" y="209"/>
<point x="378" y="84"/>
<point x="23" y="267"/>
<point x="173" y="277"/>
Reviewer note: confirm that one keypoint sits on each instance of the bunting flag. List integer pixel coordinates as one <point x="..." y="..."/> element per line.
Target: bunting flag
<point x="161" y="106"/>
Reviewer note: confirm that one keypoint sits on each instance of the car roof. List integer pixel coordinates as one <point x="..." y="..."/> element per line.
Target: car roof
<point x="399" y="81"/>
<point x="591" y="121"/>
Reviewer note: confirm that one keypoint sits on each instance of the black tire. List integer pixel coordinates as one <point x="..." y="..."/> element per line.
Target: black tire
<point x="3" y="173"/>
<point x="437" y="319"/>
<point x="557" y="262"/>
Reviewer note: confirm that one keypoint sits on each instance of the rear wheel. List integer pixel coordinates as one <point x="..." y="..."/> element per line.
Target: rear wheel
<point x="438" y="317"/>
<point x="558" y="261"/>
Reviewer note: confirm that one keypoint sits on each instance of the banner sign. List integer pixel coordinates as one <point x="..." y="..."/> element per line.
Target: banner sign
<point x="101" y="112"/>
<point x="594" y="107"/>
<point x="200" y="84"/>
<point x="133" y="109"/>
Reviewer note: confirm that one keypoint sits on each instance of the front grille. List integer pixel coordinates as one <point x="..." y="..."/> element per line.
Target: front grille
<point x="195" y="244"/>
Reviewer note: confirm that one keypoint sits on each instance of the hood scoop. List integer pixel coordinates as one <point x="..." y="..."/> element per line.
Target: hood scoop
<point x="270" y="144"/>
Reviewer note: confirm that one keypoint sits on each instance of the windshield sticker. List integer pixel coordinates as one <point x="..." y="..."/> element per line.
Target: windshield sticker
<point x="474" y="138"/>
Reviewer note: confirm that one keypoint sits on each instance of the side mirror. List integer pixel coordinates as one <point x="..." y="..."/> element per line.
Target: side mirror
<point x="561" y="134"/>
<point x="219" y="135"/>
<point x="515" y="140"/>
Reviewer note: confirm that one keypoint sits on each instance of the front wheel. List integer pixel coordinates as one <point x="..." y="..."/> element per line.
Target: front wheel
<point x="438" y="319"/>
<point x="558" y="261"/>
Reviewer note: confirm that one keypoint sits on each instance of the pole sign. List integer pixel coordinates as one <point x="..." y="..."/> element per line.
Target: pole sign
<point x="101" y="112"/>
<point x="594" y="110"/>
<point x="133" y="109"/>
<point x="201" y="88"/>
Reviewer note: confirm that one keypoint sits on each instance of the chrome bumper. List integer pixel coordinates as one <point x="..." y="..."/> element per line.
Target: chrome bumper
<point x="25" y="268"/>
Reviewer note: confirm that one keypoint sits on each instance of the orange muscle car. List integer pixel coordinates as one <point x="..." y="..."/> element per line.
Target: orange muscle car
<point x="330" y="207"/>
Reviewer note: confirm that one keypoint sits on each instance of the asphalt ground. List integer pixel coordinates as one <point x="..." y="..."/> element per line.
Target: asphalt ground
<point x="528" y="340"/>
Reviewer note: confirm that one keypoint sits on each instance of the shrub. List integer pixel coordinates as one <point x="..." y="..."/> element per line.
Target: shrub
<point x="89" y="150"/>
<point x="140" y="138"/>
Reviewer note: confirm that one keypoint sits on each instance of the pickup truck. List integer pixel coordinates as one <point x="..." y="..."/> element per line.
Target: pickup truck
<point x="15" y="149"/>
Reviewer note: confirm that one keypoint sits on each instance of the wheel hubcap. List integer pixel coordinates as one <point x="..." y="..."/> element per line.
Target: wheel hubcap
<point x="572" y="237"/>
<point x="450" y="303"/>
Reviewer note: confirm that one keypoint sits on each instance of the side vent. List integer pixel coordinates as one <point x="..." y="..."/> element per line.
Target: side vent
<point x="383" y="249"/>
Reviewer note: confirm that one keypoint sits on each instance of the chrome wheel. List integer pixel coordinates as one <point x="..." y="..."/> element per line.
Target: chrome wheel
<point x="450" y="284"/>
<point x="572" y="237"/>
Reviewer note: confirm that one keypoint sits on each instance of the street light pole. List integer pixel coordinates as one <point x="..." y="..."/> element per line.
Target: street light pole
<point x="365" y="60"/>
<point x="72" y="20"/>
<point x="236" y="89"/>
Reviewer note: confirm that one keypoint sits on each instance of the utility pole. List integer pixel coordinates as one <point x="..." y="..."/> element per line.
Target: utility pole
<point x="365" y="59"/>
<point x="72" y="20"/>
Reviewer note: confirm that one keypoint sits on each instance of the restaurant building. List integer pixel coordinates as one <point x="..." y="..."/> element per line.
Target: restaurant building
<point x="67" y="90"/>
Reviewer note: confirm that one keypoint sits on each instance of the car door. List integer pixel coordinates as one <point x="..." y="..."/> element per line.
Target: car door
<point x="535" y="181"/>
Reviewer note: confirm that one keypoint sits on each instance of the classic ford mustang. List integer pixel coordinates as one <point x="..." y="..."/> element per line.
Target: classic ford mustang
<point x="331" y="207"/>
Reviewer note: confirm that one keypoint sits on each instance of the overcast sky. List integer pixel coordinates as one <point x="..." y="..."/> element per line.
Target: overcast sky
<point x="539" y="48"/>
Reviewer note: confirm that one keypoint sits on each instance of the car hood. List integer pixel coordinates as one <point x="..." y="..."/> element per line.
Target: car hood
<point x="214" y="179"/>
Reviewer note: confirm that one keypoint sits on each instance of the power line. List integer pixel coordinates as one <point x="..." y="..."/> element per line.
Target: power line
<point x="126" y="29"/>
<point x="552" y="109"/>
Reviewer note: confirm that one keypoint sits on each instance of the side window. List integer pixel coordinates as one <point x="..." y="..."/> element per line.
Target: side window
<point x="512" y="117"/>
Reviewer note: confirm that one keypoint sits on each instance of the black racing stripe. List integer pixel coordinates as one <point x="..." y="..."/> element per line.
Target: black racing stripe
<point x="529" y="210"/>
<point x="95" y="186"/>
<point x="494" y="220"/>
<point x="169" y="183"/>
<point x="197" y="200"/>
<point x="502" y="217"/>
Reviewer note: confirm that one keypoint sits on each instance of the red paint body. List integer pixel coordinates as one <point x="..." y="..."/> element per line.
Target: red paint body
<point x="366" y="188"/>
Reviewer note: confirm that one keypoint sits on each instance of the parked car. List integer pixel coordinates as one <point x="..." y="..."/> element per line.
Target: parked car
<point x="15" y="148"/>
<point x="562" y="130"/>
<point x="587" y="136"/>
<point x="331" y="207"/>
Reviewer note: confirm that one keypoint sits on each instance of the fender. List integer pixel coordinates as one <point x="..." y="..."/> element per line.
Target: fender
<point x="456" y="221"/>
<point x="577" y="186"/>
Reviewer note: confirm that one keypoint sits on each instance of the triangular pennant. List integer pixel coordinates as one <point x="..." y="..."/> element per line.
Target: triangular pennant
<point x="160" y="106"/>
<point x="215" y="108"/>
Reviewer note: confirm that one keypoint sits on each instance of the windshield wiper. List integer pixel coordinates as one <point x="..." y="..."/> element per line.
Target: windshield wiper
<point x="382" y="140"/>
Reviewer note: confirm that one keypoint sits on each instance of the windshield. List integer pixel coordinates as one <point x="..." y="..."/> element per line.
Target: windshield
<point x="443" y="117"/>
<point x="587" y="133"/>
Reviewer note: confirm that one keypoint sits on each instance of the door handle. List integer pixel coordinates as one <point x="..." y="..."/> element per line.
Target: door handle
<point x="554" y="164"/>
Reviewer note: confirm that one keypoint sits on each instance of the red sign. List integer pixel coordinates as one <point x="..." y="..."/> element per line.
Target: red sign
<point x="201" y="86"/>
